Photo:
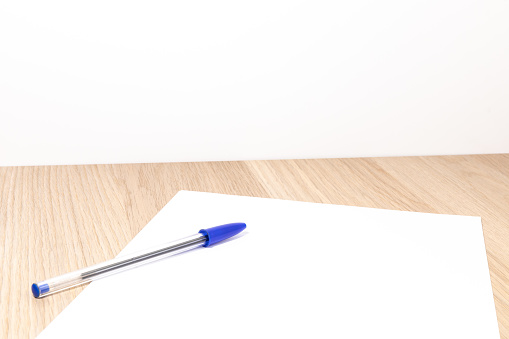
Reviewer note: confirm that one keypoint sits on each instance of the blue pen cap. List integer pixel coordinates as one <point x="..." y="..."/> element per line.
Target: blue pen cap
<point x="218" y="233"/>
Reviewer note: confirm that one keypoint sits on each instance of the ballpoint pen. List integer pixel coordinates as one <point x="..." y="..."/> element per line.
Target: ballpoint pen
<point x="204" y="237"/>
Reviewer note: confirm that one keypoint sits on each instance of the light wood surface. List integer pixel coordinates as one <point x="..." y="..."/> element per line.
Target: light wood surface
<point x="55" y="219"/>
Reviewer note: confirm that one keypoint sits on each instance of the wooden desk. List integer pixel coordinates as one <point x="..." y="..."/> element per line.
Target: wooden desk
<point x="55" y="219"/>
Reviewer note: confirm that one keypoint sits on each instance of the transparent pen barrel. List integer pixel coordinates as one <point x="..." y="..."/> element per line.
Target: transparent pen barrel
<point x="53" y="285"/>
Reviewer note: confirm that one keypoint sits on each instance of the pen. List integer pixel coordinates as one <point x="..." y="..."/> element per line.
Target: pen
<point x="204" y="237"/>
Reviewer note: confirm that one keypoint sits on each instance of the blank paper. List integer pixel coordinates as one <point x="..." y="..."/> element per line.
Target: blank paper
<point x="301" y="270"/>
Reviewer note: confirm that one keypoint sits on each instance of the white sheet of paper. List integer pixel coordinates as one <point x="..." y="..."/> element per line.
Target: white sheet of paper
<point x="299" y="270"/>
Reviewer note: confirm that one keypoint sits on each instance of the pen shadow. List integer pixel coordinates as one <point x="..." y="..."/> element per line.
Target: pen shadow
<point x="235" y="237"/>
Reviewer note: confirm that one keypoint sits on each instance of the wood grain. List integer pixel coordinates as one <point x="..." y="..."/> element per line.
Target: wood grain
<point x="75" y="216"/>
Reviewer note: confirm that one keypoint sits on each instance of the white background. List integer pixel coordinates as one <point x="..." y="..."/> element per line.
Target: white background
<point x="152" y="81"/>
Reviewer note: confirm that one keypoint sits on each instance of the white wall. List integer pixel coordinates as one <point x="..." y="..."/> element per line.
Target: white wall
<point x="115" y="81"/>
